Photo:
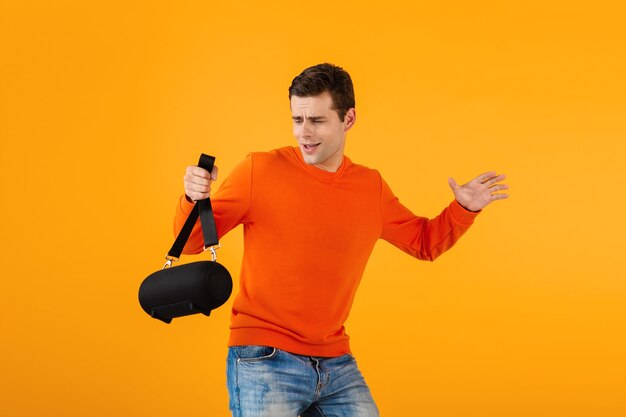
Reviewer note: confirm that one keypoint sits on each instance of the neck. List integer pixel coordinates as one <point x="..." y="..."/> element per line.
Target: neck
<point x="329" y="167"/>
<point x="333" y="163"/>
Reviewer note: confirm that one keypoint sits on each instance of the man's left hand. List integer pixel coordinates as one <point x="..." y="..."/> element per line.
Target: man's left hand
<point x="479" y="192"/>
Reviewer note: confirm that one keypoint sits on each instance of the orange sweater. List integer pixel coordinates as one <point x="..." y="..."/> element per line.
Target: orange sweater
<point x="308" y="235"/>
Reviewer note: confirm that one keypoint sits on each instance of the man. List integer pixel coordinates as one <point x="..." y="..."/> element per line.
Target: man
<point x="311" y="218"/>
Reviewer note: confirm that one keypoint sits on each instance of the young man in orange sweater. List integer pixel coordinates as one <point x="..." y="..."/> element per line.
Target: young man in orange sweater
<point x="311" y="218"/>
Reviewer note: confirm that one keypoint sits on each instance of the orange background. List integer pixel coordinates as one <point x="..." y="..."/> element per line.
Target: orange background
<point x="102" y="105"/>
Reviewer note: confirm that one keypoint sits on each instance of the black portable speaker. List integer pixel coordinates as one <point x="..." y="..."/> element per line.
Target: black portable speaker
<point x="196" y="287"/>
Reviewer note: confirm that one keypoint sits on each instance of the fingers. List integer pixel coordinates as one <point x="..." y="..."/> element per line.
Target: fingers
<point x="196" y="171"/>
<point x="498" y="187"/>
<point x="495" y="197"/>
<point x="494" y="180"/>
<point x="197" y="176"/>
<point x="484" y="177"/>
<point x="198" y="181"/>
<point x="493" y="187"/>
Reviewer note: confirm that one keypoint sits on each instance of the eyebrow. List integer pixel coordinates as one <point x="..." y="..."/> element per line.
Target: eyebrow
<point x="314" y="118"/>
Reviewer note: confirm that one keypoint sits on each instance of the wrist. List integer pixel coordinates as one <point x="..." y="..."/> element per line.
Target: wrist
<point x="467" y="209"/>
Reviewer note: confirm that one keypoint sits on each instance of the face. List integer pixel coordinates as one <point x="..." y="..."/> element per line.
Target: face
<point x="320" y="134"/>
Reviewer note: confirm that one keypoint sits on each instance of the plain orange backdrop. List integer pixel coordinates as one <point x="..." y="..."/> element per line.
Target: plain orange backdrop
<point x="103" y="104"/>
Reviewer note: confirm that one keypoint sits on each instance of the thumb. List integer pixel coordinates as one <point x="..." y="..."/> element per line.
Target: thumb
<point x="452" y="183"/>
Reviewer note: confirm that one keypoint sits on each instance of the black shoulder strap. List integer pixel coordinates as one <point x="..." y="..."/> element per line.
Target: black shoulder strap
<point x="202" y="209"/>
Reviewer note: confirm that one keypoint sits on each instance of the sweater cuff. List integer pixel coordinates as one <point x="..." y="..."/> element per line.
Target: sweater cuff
<point x="185" y="206"/>
<point x="461" y="214"/>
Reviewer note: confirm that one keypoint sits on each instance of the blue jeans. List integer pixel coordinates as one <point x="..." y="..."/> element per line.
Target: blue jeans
<point x="268" y="382"/>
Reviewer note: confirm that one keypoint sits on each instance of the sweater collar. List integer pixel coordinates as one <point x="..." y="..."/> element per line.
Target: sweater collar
<point x="320" y="173"/>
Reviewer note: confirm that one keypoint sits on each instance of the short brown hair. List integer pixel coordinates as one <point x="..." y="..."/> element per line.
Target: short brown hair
<point x="325" y="77"/>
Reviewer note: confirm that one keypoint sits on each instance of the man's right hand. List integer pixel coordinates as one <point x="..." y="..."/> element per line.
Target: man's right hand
<point x="198" y="182"/>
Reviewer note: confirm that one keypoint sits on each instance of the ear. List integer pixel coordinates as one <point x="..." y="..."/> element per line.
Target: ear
<point x="349" y="119"/>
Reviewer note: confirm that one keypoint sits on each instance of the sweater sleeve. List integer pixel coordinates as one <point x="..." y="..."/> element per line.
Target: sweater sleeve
<point x="421" y="237"/>
<point x="230" y="207"/>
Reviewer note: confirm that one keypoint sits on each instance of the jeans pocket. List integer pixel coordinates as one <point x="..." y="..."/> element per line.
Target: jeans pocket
<point x="253" y="353"/>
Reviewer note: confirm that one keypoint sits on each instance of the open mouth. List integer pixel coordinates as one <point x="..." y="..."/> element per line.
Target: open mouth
<point x="311" y="146"/>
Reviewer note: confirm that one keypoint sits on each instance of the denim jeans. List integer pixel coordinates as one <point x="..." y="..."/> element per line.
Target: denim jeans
<point x="268" y="382"/>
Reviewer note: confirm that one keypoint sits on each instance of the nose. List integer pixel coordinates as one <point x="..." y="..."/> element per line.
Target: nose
<point x="306" y="128"/>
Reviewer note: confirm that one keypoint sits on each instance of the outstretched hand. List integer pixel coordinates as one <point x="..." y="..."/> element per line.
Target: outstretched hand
<point x="479" y="192"/>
